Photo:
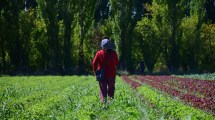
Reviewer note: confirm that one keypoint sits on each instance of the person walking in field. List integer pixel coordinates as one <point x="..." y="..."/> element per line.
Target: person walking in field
<point x="106" y="60"/>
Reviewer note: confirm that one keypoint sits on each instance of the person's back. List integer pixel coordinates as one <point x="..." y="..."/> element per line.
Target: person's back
<point x="107" y="60"/>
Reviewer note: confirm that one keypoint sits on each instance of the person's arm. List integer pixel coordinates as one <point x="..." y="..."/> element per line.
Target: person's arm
<point x="95" y="62"/>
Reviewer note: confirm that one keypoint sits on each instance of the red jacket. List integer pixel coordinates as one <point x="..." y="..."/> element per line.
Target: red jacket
<point x="106" y="61"/>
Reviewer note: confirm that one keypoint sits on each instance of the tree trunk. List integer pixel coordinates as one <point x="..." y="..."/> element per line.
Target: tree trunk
<point x="129" y="51"/>
<point x="54" y="45"/>
<point x="122" y="48"/>
<point x="16" y="49"/>
<point x="174" y="51"/>
<point x="67" y="44"/>
<point x="3" y="58"/>
<point x="197" y="46"/>
<point x="81" y="67"/>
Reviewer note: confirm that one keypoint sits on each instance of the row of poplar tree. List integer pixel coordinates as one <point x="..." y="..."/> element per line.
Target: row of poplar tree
<point x="62" y="36"/>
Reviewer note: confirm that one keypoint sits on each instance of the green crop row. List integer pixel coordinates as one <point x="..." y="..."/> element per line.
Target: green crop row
<point x="206" y="76"/>
<point x="69" y="97"/>
<point x="27" y="100"/>
<point x="172" y="108"/>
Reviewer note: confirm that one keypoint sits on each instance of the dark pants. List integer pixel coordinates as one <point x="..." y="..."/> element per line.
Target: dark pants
<point x="107" y="87"/>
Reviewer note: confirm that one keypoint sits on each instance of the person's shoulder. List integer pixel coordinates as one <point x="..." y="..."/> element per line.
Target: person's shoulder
<point x="100" y="52"/>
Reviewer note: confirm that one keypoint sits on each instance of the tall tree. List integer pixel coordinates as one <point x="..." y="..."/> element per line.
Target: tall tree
<point x="121" y="21"/>
<point x="124" y="15"/>
<point x="149" y="43"/>
<point x="11" y="14"/>
<point x="165" y="17"/>
<point x="208" y="48"/>
<point x="68" y="13"/>
<point x="188" y="43"/>
<point x="85" y="19"/>
<point x="26" y="26"/>
<point x="126" y="41"/>
<point x="197" y="9"/>
<point x="16" y="28"/>
<point x="176" y="10"/>
<point x="154" y="32"/>
<point x="2" y="38"/>
<point x="49" y="11"/>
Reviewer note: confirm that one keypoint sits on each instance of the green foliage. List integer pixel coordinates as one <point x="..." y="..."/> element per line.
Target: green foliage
<point x="208" y="48"/>
<point x="176" y="38"/>
<point x="149" y="43"/>
<point x="39" y="46"/>
<point x="49" y="13"/>
<point x="61" y="37"/>
<point x="122" y="24"/>
<point x="85" y="22"/>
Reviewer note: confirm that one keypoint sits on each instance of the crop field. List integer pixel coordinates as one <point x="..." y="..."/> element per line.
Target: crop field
<point x="77" y="98"/>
